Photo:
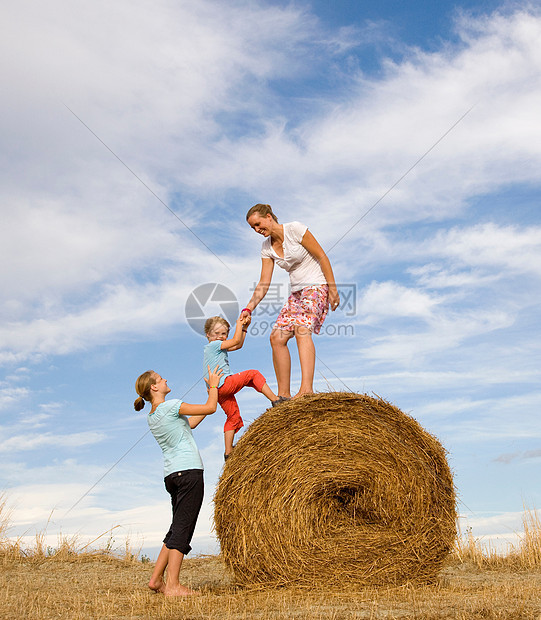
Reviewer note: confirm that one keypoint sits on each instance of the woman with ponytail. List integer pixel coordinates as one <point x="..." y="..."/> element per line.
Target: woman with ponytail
<point x="293" y="247"/>
<point x="171" y="423"/>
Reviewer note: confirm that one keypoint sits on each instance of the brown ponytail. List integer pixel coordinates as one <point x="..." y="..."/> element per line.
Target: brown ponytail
<point x="142" y="387"/>
<point x="139" y="404"/>
<point x="263" y="210"/>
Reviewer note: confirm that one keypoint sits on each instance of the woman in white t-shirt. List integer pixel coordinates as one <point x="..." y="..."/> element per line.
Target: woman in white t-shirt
<point x="293" y="248"/>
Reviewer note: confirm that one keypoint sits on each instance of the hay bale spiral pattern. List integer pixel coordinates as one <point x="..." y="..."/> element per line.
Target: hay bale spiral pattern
<point x="335" y="489"/>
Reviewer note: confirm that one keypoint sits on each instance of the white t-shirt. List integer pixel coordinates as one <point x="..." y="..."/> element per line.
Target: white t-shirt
<point x="303" y="268"/>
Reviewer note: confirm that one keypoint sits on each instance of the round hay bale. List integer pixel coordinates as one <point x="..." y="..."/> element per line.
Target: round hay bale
<point x="333" y="489"/>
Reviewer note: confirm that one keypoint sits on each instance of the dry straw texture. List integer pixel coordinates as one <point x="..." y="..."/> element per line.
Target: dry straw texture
<point x="335" y="489"/>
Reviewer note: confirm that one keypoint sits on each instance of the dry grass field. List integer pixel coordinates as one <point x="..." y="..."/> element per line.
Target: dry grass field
<point x="71" y="583"/>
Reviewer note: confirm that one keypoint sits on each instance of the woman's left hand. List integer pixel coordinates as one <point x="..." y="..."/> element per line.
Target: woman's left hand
<point x="214" y="376"/>
<point x="334" y="298"/>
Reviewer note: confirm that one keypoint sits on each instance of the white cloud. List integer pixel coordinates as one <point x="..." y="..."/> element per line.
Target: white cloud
<point x="444" y="332"/>
<point x="368" y="143"/>
<point x="74" y="500"/>
<point x="76" y="217"/>
<point x="383" y="299"/>
<point x="28" y="441"/>
<point x="142" y="528"/>
<point x="512" y="248"/>
<point x="93" y="236"/>
<point x="51" y="408"/>
<point x="500" y="417"/>
<point x="521" y="455"/>
<point x="499" y="532"/>
<point x="437" y="276"/>
<point x="447" y="289"/>
<point x="123" y="310"/>
<point x="9" y="396"/>
<point x="37" y="420"/>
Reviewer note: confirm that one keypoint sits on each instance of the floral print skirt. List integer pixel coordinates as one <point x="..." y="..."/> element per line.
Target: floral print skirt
<point x="306" y="307"/>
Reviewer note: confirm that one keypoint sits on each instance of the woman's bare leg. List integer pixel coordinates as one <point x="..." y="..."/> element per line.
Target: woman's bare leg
<point x="281" y="360"/>
<point x="173" y="587"/>
<point x="307" y="358"/>
<point x="156" y="582"/>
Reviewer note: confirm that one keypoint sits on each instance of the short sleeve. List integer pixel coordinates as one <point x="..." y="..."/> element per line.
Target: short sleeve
<point x="266" y="249"/>
<point x="176" y="410"/>
<point x="175" y="406"/>
<point x="297" y="230"/>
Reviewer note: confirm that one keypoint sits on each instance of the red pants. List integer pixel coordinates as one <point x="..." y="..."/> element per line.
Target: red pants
<point x="226" y="395"/>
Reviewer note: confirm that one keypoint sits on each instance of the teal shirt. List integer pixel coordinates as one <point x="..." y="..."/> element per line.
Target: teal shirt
<point x="174" y="436"/>
<point x="214" y="356"/>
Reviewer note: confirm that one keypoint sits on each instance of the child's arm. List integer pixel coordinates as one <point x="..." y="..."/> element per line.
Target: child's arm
<point x="197" y="413"/>
<point x="245" y="323"/>
<point x="238" y="338"/>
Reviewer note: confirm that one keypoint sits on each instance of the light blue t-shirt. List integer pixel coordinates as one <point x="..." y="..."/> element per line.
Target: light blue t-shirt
<point x="174" y="436"/>
<point x="214" y="356"/>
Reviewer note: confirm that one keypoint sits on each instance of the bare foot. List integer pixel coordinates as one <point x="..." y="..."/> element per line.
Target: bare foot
<point x="157" y="585"/>
<point x="302" y="393"/>
<point x="179" y="590"/>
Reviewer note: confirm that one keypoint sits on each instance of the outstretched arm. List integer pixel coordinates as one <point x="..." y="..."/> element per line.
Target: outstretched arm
<point x="238" y="338"/>
<point x="197" y="413"/>
<point x="267" y="267"/>
<point x="309" y="242"/>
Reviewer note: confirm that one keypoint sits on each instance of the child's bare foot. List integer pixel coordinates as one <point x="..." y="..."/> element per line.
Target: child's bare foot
<point x="302" y="393"/>
<point x="178" y="590"/>
<point x="157" y="585"/>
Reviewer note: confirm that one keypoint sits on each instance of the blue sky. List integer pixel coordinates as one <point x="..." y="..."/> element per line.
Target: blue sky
<point x="318" y="109"/>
